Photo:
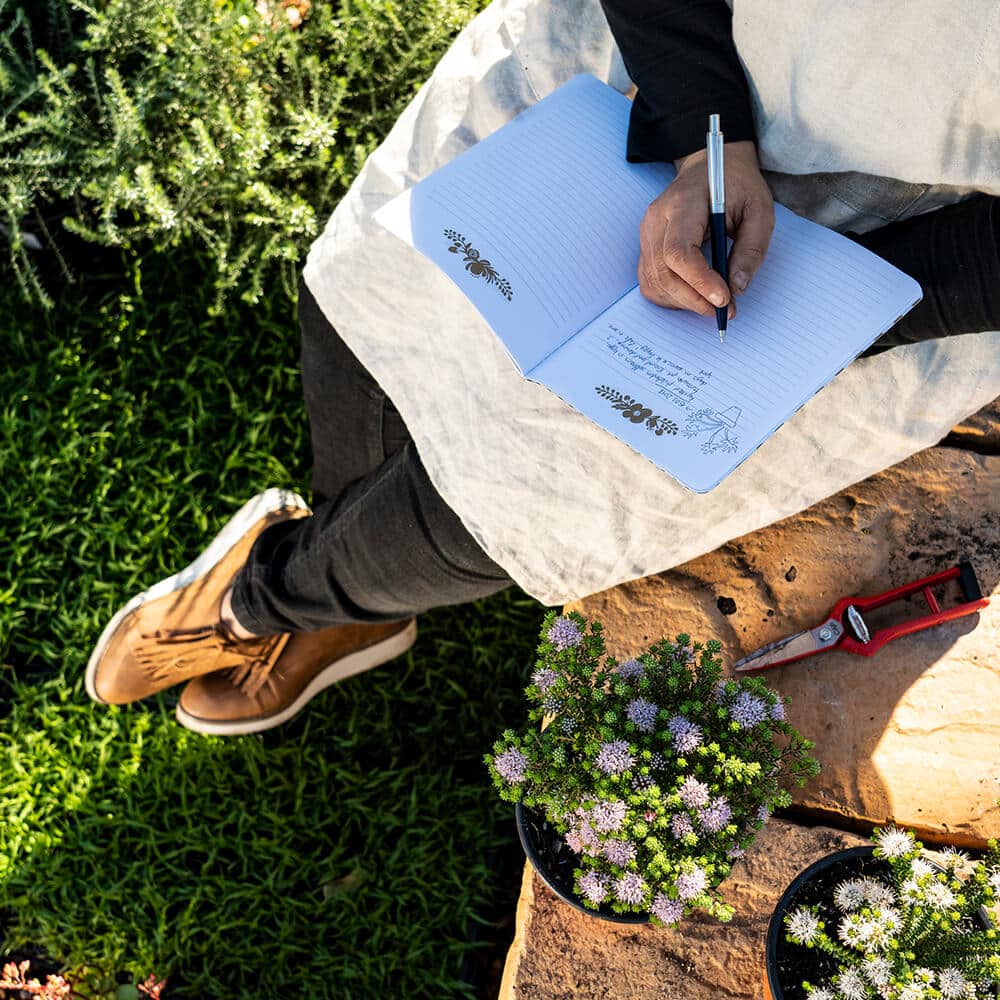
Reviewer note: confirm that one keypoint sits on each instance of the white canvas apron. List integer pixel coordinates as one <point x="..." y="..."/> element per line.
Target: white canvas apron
<point x="847" y="139"/>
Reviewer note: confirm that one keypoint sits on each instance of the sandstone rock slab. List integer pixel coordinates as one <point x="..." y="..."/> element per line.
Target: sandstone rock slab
<point x="562" y="954"/>
<point x="910" y="735"/>
<point x="980" y="432"/>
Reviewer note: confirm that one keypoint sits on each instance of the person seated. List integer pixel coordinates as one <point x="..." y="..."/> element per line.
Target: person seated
<point x="288" y="600"/>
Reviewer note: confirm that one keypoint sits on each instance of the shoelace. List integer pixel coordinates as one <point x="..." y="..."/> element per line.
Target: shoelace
<point x="170" y="651"/>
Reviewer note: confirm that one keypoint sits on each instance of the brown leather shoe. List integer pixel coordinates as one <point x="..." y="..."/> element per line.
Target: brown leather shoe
<point x="171" y="632"/>
<point x="251" y="699"/>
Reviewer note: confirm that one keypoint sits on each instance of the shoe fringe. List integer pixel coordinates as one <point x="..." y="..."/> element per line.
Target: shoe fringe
<point x="168" y="651"/>
<point x="251" y="676"/>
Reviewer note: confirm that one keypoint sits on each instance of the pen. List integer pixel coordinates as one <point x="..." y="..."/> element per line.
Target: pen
<point x="717" y="195"/>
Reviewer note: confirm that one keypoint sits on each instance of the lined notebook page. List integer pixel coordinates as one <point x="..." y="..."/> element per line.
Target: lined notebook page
<point x="537" y="224"/>
<point x="662" y="382"/>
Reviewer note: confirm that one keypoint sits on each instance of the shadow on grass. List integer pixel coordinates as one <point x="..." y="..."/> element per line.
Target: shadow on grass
<point x="346" y="854"/>
<point x="354" y="852"/>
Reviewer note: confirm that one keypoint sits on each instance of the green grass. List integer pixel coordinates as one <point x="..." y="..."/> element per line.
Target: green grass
<point x="359" y="850"/>
<point x="347" y="854"/>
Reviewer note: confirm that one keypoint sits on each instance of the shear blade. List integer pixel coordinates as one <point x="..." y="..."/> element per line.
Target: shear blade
<point x="790" y="648"/>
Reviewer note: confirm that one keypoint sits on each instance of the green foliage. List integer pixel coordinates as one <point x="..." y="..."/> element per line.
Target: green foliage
<point x="156" y="122"/>
<point x="350" y="854"/>
<point x="915" y="935"/>
<point x="353" y="852"/>
<point x="657" y="770"/>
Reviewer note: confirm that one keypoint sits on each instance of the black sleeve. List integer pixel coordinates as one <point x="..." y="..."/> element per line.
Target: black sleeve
<point x="681" y="56"/>
<point x="954" y="252"/>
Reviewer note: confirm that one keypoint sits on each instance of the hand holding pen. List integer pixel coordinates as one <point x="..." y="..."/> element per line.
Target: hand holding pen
<point x="672" y="270"/>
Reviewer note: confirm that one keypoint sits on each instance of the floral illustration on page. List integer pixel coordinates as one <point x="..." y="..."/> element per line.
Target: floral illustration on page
<point x="718" y="426"/>
<point x="477" y="265"/>
<point x="636" y="412"/>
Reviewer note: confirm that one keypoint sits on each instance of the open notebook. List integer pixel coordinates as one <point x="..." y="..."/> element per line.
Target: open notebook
<point x="538" y="225"/>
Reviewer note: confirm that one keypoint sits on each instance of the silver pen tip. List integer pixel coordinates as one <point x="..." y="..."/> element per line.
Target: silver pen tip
<point x="722" y="336"/>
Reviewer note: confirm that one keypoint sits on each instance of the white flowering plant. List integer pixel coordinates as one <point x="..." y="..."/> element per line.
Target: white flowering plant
<point x="913" y="935"/>
<point x="657" y="771"/>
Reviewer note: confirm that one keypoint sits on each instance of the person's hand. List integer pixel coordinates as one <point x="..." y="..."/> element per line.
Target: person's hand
<point x="673" y="271"/>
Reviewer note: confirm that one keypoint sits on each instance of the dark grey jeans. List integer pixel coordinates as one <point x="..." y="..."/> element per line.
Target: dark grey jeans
<point x="382" y="544"/>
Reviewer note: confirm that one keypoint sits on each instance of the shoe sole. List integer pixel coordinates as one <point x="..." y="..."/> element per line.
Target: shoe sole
<point x="269" y="502"/>
<point x="338" y="670"/>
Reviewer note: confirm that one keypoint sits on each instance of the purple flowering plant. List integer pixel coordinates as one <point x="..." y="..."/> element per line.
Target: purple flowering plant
<point x="912" y="935"/>
<point x="656" y="770"/>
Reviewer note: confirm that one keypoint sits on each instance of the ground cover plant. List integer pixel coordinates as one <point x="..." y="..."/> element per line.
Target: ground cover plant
<point x="352" y="853"/>
<point x="918" y="933"/>
<point x="656" y="770"/>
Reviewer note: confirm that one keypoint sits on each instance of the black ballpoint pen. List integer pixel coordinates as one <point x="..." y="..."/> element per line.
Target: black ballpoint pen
<point x="717" y="195"/>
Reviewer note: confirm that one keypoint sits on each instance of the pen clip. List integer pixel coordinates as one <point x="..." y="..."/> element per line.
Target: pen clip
<point x="714" y="140"/>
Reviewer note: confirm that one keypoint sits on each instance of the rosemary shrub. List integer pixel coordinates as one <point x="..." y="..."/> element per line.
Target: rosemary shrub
<point x="657" y="771"/>
<point x="232" y="123"/>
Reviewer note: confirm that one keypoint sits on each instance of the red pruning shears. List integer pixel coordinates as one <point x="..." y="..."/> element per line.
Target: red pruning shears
<point x="845" y="627"/>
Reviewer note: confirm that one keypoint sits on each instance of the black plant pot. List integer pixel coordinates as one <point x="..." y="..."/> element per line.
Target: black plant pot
<point x="787" y="965"/>
<point x="554" y="861"/>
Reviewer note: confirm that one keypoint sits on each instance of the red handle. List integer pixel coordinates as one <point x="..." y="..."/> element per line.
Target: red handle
<point x="970" y="587"/>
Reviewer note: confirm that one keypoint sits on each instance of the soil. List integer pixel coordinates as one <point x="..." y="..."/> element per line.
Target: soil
<point x="568" y="955"/>
<point x="575" y="957"/>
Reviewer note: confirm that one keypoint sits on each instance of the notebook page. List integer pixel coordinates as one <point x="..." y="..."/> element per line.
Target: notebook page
<point x="661" y="381"/>
<point x="537" y="223"/>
